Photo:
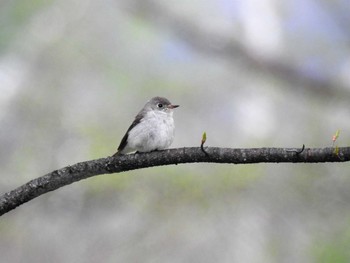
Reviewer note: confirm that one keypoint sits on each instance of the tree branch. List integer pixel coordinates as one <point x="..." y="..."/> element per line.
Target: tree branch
<point x="122" y="163"/>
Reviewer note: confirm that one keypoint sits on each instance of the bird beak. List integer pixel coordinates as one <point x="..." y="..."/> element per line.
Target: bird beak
<point x="171" y="106"/>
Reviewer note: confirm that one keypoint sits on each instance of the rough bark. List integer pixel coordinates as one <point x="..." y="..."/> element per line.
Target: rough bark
<point x="122" y="163"/>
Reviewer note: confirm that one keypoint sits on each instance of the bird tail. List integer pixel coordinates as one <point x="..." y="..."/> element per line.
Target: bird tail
<point x="117" y="153"/>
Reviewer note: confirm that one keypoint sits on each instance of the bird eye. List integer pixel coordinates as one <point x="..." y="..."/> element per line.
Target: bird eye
<point x="160" y="105"/>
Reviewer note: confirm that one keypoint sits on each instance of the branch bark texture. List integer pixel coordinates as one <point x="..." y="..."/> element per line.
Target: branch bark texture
<point x="122" y="163"/>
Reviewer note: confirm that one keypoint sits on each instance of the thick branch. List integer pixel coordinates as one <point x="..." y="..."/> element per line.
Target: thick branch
<point x="122" y="163"/>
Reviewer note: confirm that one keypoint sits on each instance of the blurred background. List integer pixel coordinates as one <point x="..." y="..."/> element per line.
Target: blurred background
<point x="251" y="73"/>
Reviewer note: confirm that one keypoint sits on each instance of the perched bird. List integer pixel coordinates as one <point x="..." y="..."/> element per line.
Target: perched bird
<point x="152" y="129"/>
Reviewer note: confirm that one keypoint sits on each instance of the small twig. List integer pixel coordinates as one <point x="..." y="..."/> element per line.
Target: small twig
<point x="204" y="138"/>
<point x="335" y="137"/>
<point x="203" y="150"/>
<point x="297" y="151"/>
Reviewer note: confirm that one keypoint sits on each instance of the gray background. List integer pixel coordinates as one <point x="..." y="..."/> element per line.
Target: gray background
<point x="252" y="73"/>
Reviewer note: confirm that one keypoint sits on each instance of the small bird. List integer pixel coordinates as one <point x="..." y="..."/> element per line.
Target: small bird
<point x="152" y="129"/>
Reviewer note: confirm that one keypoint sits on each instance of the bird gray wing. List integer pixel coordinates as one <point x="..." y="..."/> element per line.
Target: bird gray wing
<point x="124" y="141"/>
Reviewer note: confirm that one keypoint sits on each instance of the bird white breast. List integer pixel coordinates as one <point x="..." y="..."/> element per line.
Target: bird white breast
<point x="154" y="132"/>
